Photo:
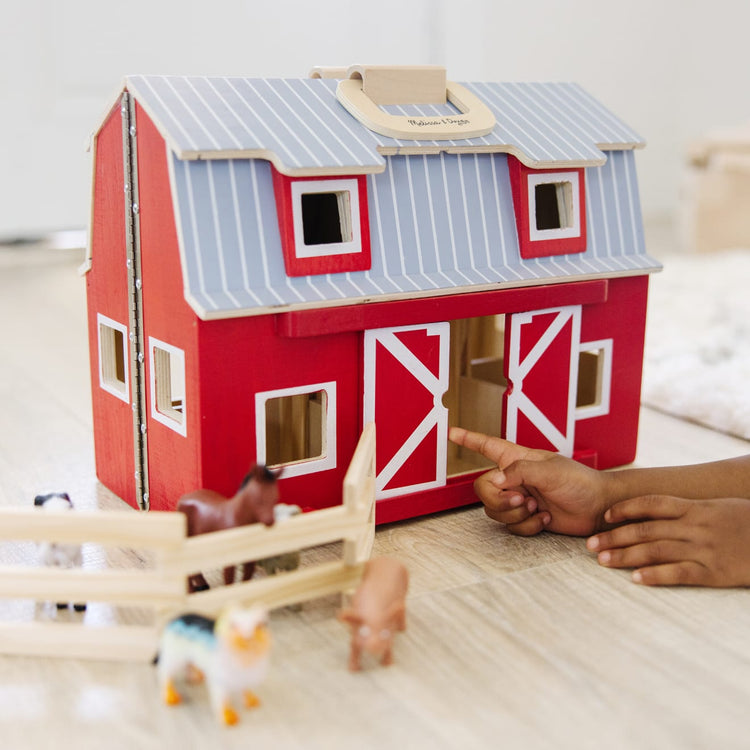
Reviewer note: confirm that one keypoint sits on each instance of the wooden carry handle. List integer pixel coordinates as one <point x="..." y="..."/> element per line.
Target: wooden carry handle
<point x="369" y="87"/>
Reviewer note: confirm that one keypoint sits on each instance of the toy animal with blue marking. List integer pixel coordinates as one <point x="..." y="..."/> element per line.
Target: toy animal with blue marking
<point x="231" y="653"/>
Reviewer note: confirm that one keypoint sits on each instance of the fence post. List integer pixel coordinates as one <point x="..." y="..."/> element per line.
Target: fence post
<point x="359" y="496"/>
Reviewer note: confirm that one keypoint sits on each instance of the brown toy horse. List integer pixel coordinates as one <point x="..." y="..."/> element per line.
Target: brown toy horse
<point x="207" y="510"/>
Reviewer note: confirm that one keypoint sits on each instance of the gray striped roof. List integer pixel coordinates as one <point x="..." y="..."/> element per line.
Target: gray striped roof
<point x="300" y="126"/>
<point x="449" y="227"/>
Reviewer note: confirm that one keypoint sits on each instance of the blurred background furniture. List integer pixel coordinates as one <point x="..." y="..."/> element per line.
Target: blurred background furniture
<point x="714" y="210"/>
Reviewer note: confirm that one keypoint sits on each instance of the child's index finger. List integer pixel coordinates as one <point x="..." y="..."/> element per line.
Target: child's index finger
<point x="499" y="451"/>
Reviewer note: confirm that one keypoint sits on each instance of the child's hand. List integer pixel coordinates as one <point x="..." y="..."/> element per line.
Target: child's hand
<point x="532" y="490"/>
<point x="671" y="541"/>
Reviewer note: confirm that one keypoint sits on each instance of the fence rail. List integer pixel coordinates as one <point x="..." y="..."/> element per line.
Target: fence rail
<point x="162" y="588"/>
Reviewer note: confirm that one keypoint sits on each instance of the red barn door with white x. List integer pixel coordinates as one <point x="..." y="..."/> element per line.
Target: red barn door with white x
<point x="406" y="375"/>
<point x="542" y="369"/>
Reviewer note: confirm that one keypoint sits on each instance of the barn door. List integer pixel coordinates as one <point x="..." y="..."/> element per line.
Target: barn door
<point x="406" y="375"/>
<point x="542" y="356"/>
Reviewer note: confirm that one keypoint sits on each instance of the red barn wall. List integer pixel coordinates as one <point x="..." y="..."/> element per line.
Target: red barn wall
<point x="240" y="357"/>
<point x="107" y="293"/>
<point x="174" y="459"/>
<point x="623" y="318"/>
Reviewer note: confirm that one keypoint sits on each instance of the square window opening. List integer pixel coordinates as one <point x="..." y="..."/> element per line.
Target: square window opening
<point x="553" y="203"/>
<point x="477" y="385"/>
<point x="113" y="357"/>
<point x="323" y="223"/>
<point x="594" y="379"/>
<point x="169" y="375"/>
<point x="550" y="210"/>
<point x="295" y="428"/>
<point x="326" y="218"/>
<point x="590" y="376"/>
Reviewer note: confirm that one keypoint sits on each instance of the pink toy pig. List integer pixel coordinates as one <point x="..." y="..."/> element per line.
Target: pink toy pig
<point x="377" y="610"/>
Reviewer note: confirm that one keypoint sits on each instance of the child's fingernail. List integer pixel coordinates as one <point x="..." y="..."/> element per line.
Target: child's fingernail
<point x="515" y="501"/>
<point x="532" y="506"/>
<point x="637" y="577"/>
<point x="604" y="557"/>
<point x="607" y="515"/>
<point x="498" y="478"/>
<point x="592" y="542"/>
<point x="546" y="518"/>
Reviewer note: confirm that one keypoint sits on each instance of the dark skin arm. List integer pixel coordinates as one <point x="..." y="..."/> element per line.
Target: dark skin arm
<point x="674" y="525"/>
<point x="671" y="540"/>
<point x="531" y="490"/>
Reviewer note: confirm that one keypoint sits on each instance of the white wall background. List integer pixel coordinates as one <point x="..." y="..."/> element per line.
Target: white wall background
<point x="672" y="69"/>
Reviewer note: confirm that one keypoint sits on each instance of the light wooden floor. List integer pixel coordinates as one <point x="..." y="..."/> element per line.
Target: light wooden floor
<point x="511" y="643"/>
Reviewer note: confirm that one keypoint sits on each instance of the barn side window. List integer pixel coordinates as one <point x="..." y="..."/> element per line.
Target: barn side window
<point x="594" y="379"/>
<point x="113" y="357"/>
<point x="295" y="428"/>
<point x="168" y="385"/>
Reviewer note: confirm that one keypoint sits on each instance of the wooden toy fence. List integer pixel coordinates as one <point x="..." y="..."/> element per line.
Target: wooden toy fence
<point x="162" y="587"/>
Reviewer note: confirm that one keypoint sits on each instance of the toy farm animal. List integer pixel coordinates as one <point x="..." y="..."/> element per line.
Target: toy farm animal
<point x="377" y="610"/>
<point x="209" y="511"/>
<point x="231" y="653"/>
<point x="55" y="554"/>
<point x="286" y="561"/>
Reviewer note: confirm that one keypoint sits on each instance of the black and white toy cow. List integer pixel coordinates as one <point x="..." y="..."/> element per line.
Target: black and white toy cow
<point x="53" y="553"/>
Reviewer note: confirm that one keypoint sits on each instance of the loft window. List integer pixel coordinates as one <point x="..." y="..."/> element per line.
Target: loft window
<point x="295" y="428"/>
<point x="550" y="210"/>
<point x="594" y="379"/>
<point x="113" y="357"/>
<point x="553" y="202"/>
<point x="168" y="385"/>
<point x="554" y="206"/>
<point x="323" y="224"/>
<point x="326" y="218"/>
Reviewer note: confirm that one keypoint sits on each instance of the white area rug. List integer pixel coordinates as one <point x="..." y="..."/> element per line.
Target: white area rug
<point x="697" y="363"/>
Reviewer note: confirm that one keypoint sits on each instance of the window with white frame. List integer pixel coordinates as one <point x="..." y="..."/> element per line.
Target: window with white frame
<point x="554" y="205"/>
<point x="326" y="217"/>
<point x="550" y="209"/>
<point x="594" y="379"/>
<point x="296" y="428"/>
<point x="167" y="375"/>
<point x="113" y="357"/>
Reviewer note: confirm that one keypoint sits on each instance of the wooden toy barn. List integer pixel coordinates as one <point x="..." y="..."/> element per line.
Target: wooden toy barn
<point x="276" y="262"/>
